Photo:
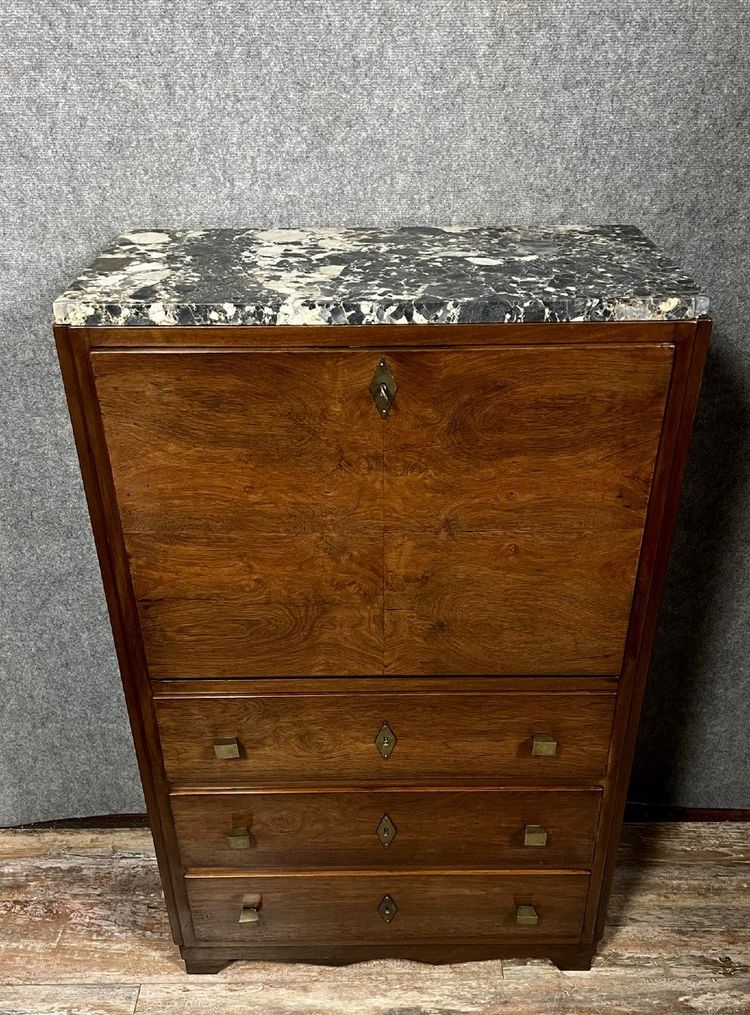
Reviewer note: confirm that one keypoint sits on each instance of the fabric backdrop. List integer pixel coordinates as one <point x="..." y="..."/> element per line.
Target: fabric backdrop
<point x="118" y="115"/>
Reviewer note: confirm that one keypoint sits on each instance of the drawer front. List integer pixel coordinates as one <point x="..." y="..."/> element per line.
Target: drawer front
<point x="481" y="829"/>
<point x="339" y="739"/>
<point x="350" y="908"/>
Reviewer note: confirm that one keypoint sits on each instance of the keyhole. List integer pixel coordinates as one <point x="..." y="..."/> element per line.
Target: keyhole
<point x="386" y="398"/>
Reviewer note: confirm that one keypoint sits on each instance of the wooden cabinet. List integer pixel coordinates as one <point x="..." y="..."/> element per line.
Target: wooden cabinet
<point x="384" y="669"/>
<point x="492" y="523"/>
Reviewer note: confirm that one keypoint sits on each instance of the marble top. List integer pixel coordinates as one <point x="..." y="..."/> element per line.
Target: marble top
<point x="411" y="275"/>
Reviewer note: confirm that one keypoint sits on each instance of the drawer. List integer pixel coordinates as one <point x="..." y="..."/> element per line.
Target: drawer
<point x="340" y="739"/>
<point x="387" y="828"/>
<point x="384" y="908"/>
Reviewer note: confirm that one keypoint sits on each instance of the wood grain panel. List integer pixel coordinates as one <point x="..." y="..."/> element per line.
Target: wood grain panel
<point x="376" y="685"/>
<point x="522" y="602"/>
<point x="344" y="908"/>
<point x="516" y="487"/>
<point x="260" y="569"/>
<point x="280" y="337"/>
<point x="279" y="605"/>
<point x="524" y="438"/>
<point x="194" y="638"/>
<point x="250" y="492"/>
<point x="212" y="442"/>
<point x="440" y="828"/>
<point x="321" y="739"/>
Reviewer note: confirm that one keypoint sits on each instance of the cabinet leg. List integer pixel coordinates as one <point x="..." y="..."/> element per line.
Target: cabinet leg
<point x="575" y="958"/>
<point x="197" y="967"/>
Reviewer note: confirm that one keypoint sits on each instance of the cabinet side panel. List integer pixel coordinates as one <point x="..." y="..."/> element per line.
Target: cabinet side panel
<point x="73" y="351"/>
<point x="690" y="358"/>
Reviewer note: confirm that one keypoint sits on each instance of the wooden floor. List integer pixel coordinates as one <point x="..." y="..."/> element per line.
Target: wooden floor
<point x="83" y="930"/>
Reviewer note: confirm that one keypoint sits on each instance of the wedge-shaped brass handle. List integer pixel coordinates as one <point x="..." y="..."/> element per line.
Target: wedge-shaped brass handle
<point x="239" y="838"/>
<point x="250" y="914"/>
<point x="543" y="745"/>
<point x="534" y="835"/>
<point x="526" y="916"/>
<point x="227" y="747"/>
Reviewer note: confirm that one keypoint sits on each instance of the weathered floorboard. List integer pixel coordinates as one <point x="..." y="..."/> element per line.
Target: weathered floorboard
<point x="68" y="999"/>
<point x="82" y="926"/>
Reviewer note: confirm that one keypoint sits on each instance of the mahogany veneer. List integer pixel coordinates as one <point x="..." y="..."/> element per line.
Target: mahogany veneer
<point x="326" y="619"/>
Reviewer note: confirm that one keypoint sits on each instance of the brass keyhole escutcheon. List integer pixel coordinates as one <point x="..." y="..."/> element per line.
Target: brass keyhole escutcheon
<point x="385" y="741"/>
<point x="386" y="830"/>
<point x="387" y="908"/>
<point x="383" y="388"/>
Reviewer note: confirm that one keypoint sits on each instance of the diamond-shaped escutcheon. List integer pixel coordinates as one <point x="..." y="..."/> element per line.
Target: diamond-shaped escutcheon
<point x="386" y="830"/>
<point x="387" y="908"/>
<point x="385" y="741"/>
<point x="383" y="388"/>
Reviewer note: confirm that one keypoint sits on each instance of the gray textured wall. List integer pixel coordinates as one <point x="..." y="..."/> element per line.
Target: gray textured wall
<point x="159" y="113"/>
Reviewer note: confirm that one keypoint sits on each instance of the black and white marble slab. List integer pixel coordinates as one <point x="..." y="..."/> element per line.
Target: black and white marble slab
<point x="411" y="275"/>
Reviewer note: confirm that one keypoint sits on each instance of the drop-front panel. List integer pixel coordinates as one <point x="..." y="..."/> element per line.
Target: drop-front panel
<point x="276" y="525"/>
<point x="383" y="572"/>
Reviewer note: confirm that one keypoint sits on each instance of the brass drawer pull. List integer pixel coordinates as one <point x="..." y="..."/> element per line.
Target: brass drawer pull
<point x="250" y="914"/>
<point x="534" y="835"/>
<point x="526" y="916"/>
<point x="543" y="745"/>
<point x="383" y="388"/>
<point x="239" y="838"/>
<point x="385" y="741"/>
<point x="227" y="747"/>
